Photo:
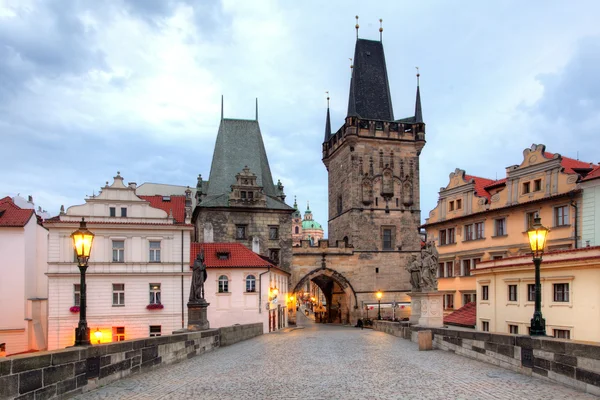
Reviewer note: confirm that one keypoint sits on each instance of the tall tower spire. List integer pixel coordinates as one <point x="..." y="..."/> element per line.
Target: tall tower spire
<point x="418" y="110"/>
<point x="327" y="122"/>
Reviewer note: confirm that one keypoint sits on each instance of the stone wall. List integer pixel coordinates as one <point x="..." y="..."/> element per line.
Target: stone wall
<point x="575" y="364"/>
<point x="65" y="373"/>
<point x="237" y="333"/>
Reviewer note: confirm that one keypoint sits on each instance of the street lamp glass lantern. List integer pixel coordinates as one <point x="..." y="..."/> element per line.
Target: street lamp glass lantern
<point x="379" y="294"/>
<point x="82" y="241"/>
<point x="537" y="237"/>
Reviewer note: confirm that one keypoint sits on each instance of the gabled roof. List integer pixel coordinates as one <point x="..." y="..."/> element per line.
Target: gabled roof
<point x="369" y="96"/>
<point x="239" y="144"/>
<point x="570" y="164"/>
<point x="239" y="256"/>
<point x="480" y="185"/>
<point x="12" y="215"/>
<point x="176" y="204"/>
<point x="465" y="316"/>
<point x="594" y="174"/>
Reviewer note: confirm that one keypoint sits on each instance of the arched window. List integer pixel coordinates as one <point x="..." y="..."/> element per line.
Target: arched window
<point x="223" y="284"/>
<point x="297" y="230"/>
<point x="250" y="283"/>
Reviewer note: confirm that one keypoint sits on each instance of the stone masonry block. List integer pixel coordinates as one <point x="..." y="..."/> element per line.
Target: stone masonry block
<point x="30" y="381"/>
<point x="582" y="350"/>
<point x="28" y="362"/>
<point x="58" y="373"/>
<point x="65" y="356"/>
<point x="564" y="359"/>
<point x="45" y="393"/>
<point x="546" y="355"/>
<point x="9" y="386"/>
<point x="5" y="367"/>
<point x="588" y="364"/>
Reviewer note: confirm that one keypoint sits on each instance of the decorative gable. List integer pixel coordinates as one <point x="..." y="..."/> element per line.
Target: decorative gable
<point x="246" y="192"/>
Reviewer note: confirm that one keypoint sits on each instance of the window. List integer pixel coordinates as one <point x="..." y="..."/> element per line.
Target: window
<point x="449" y="301"/>
<point x="240" y="231"/>
<point x="155" y="330"/>
<point x="376" y="201"/>
<point x="458" y="204"/>
<point x="113" y="211"/>
<point x="77" y="294"/>
<point x="387" y="239"/>
<point x="561" y="216"/>
<point x="223" y="284"/>
<point x="469" y="298"/>
<point x="223" y="255"/>
<point x="273" y="232"/>
<point x="440" y="272"/>
<point x="250" y="195"/>
<point x="154" y="255"/>
<point x="451" y="238"/>
<point x="537" y="185"/>
<point x="118" y="249"/>
<point x="474" y="263"/>
<point x="512" y="292"/>
<point x="468" y="232"/>
<point x="123" y="211"/>
<point x="531" y="292"/>
<point x="529" y="217"/>
<point x="449" y="269"/>
<point x="485" y="326"/>
<point x="561" y="292"/>
<point x="243" y="194"/>
<point x="442" y="237"/>
<point x="274" y="256"/>
<point x="339" y="205"/>
<point x="498" y="257"/>
<point x="451" y="206"/>
<point x="500" y="227"/>
<point x="514" y="329"/>
<point x="485" y="292"/>
<point x="296" y="230"/>
<point x="118" y="294"/>
<point x="376" y="270"/>
<point x="466" y="268"/>
<point x="118" y="333"/>
<point x="526" y="187"/>
<point x="561" y="333"/>
<point x="479" y="230"/>
<point x="250" y="284"/>
<point x="155" y="293"/>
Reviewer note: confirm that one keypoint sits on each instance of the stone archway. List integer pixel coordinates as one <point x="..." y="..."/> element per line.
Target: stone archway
<point x="326" y="279"/>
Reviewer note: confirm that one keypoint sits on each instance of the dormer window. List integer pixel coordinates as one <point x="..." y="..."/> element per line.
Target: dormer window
<point x="166" y="198"/>
<point x="223" y="255"/>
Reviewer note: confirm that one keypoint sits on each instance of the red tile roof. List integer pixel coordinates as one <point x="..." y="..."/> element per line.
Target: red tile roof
<point x="480" y="184"/>
<point x="594" y="174"/>
<point x="496" y="183"/>
<point x="239" y="256"/>
<point x="12" y="215"/>
<point x="465" y="316"/>
<point x="570" y="164"/>
<point x="176" y="203"/>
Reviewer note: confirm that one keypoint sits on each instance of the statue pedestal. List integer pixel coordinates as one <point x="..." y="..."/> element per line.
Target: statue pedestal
<point x="427" y="309"/>
<point x="197" y="320"/>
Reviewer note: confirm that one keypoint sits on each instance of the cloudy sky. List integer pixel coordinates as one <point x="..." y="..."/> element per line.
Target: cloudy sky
<point x="89" y="88"/>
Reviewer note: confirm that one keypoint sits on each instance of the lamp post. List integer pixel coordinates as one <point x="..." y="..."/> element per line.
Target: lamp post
<point x="379" y="294"/>
<point x="82" y="242"/>
<point x="537" y="240"/>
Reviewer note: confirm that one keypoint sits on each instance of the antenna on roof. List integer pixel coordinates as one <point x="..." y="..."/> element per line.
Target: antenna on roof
<point x="380" y="30"/>
<point x="257" y="108"/>
<point x="221" y="107"/>
<point x="357" y="26"/>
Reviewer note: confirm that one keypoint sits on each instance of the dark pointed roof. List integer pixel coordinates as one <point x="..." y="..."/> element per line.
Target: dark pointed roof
<point x="418" y="111"/>
<point x="239" y="144"/>
<point x="327" y="126"/>
<point x="369" y="88"/>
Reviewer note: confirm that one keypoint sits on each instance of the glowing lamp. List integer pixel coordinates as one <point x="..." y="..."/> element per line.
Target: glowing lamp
<point x="98" y="334"/>
<point x="379" y="295"/>
<point x="82" y="242"/>
<point x="537" y="237"/>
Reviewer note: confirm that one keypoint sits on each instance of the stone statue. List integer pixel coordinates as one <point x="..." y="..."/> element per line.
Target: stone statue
<point x="200" y="183"/>
<point x="429" y="265"/>
<point x="414" y="269"/>
<point x="198" y="278"/>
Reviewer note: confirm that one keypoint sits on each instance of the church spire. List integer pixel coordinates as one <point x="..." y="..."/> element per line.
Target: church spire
<point x="418" y="111"/>
<point x="327" y="122"/>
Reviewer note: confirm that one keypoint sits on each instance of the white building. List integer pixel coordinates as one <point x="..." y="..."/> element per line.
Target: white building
<point x="23" y="285"/>
<point x="590" y="214"/>
<point x="240" y="287"/>
<point x="138" y="277"/>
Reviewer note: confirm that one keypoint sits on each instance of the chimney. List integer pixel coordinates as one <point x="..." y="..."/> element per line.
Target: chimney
<point x="132" y="185"/>
<point x="30" y="199"/>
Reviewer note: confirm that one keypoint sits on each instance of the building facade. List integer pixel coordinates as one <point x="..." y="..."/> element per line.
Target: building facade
<point x="570" y="281"/>
<point x="240" y="203"/>
<point x="374" y="205"/>
<point x="478" y="219"/>
<point x="242" y="287"/>
<point x="23" y="283"/>
<point x="138" y="278"/>
<point x="590" y="214"/>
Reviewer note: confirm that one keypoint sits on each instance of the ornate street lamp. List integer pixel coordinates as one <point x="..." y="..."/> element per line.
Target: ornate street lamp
<point x="82" y="242"/>
<point x="537" y="240"/>
<point x="379" y="294"/>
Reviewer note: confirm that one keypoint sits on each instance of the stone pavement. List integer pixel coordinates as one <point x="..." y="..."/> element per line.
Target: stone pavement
<point x="331" y="362"/>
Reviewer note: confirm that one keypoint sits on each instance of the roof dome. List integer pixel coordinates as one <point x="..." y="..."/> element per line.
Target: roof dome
<point x="311" y="224"/>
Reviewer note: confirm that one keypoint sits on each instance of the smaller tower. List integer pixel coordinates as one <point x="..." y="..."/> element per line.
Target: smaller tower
<point x="296" y="225"/>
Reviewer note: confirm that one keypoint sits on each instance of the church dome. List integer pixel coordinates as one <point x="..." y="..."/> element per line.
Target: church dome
<point x="310" y="224"/>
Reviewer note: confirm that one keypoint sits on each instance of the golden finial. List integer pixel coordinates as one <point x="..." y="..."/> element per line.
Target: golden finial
<point x="357" y="26"/>
<point x="418" y="75"/>
<point x="380" y="29"/>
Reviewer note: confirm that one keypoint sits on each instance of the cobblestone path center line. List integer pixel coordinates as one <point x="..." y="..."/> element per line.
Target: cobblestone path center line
<point x="331" y="362"/>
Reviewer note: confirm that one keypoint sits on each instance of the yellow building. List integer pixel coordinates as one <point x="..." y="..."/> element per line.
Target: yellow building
<point x="570" y="295"/>
<point x="478" y="219"/>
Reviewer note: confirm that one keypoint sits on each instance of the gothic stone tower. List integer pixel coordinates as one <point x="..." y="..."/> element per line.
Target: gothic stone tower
<point x="373" y="163"/>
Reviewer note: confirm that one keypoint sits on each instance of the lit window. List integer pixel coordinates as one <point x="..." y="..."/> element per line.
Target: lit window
<point x="118" y="294"/>
<point x="154" y="255"/>
<point x="77" y="294"/>
<point x="155" y="293"/>
<point x="561" y="216"/>
<point x="250" y="283"/>
<point x="223" y="284"/>
<point x="118" y="250"/>
<point x="118" y="333"/>
<point x="155" y="330"/>
<point x="512" y="292"/>
<point x="561" y="292"/>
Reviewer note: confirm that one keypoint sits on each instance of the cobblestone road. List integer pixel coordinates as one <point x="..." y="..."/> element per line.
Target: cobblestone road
<point x="331" y="362"/>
